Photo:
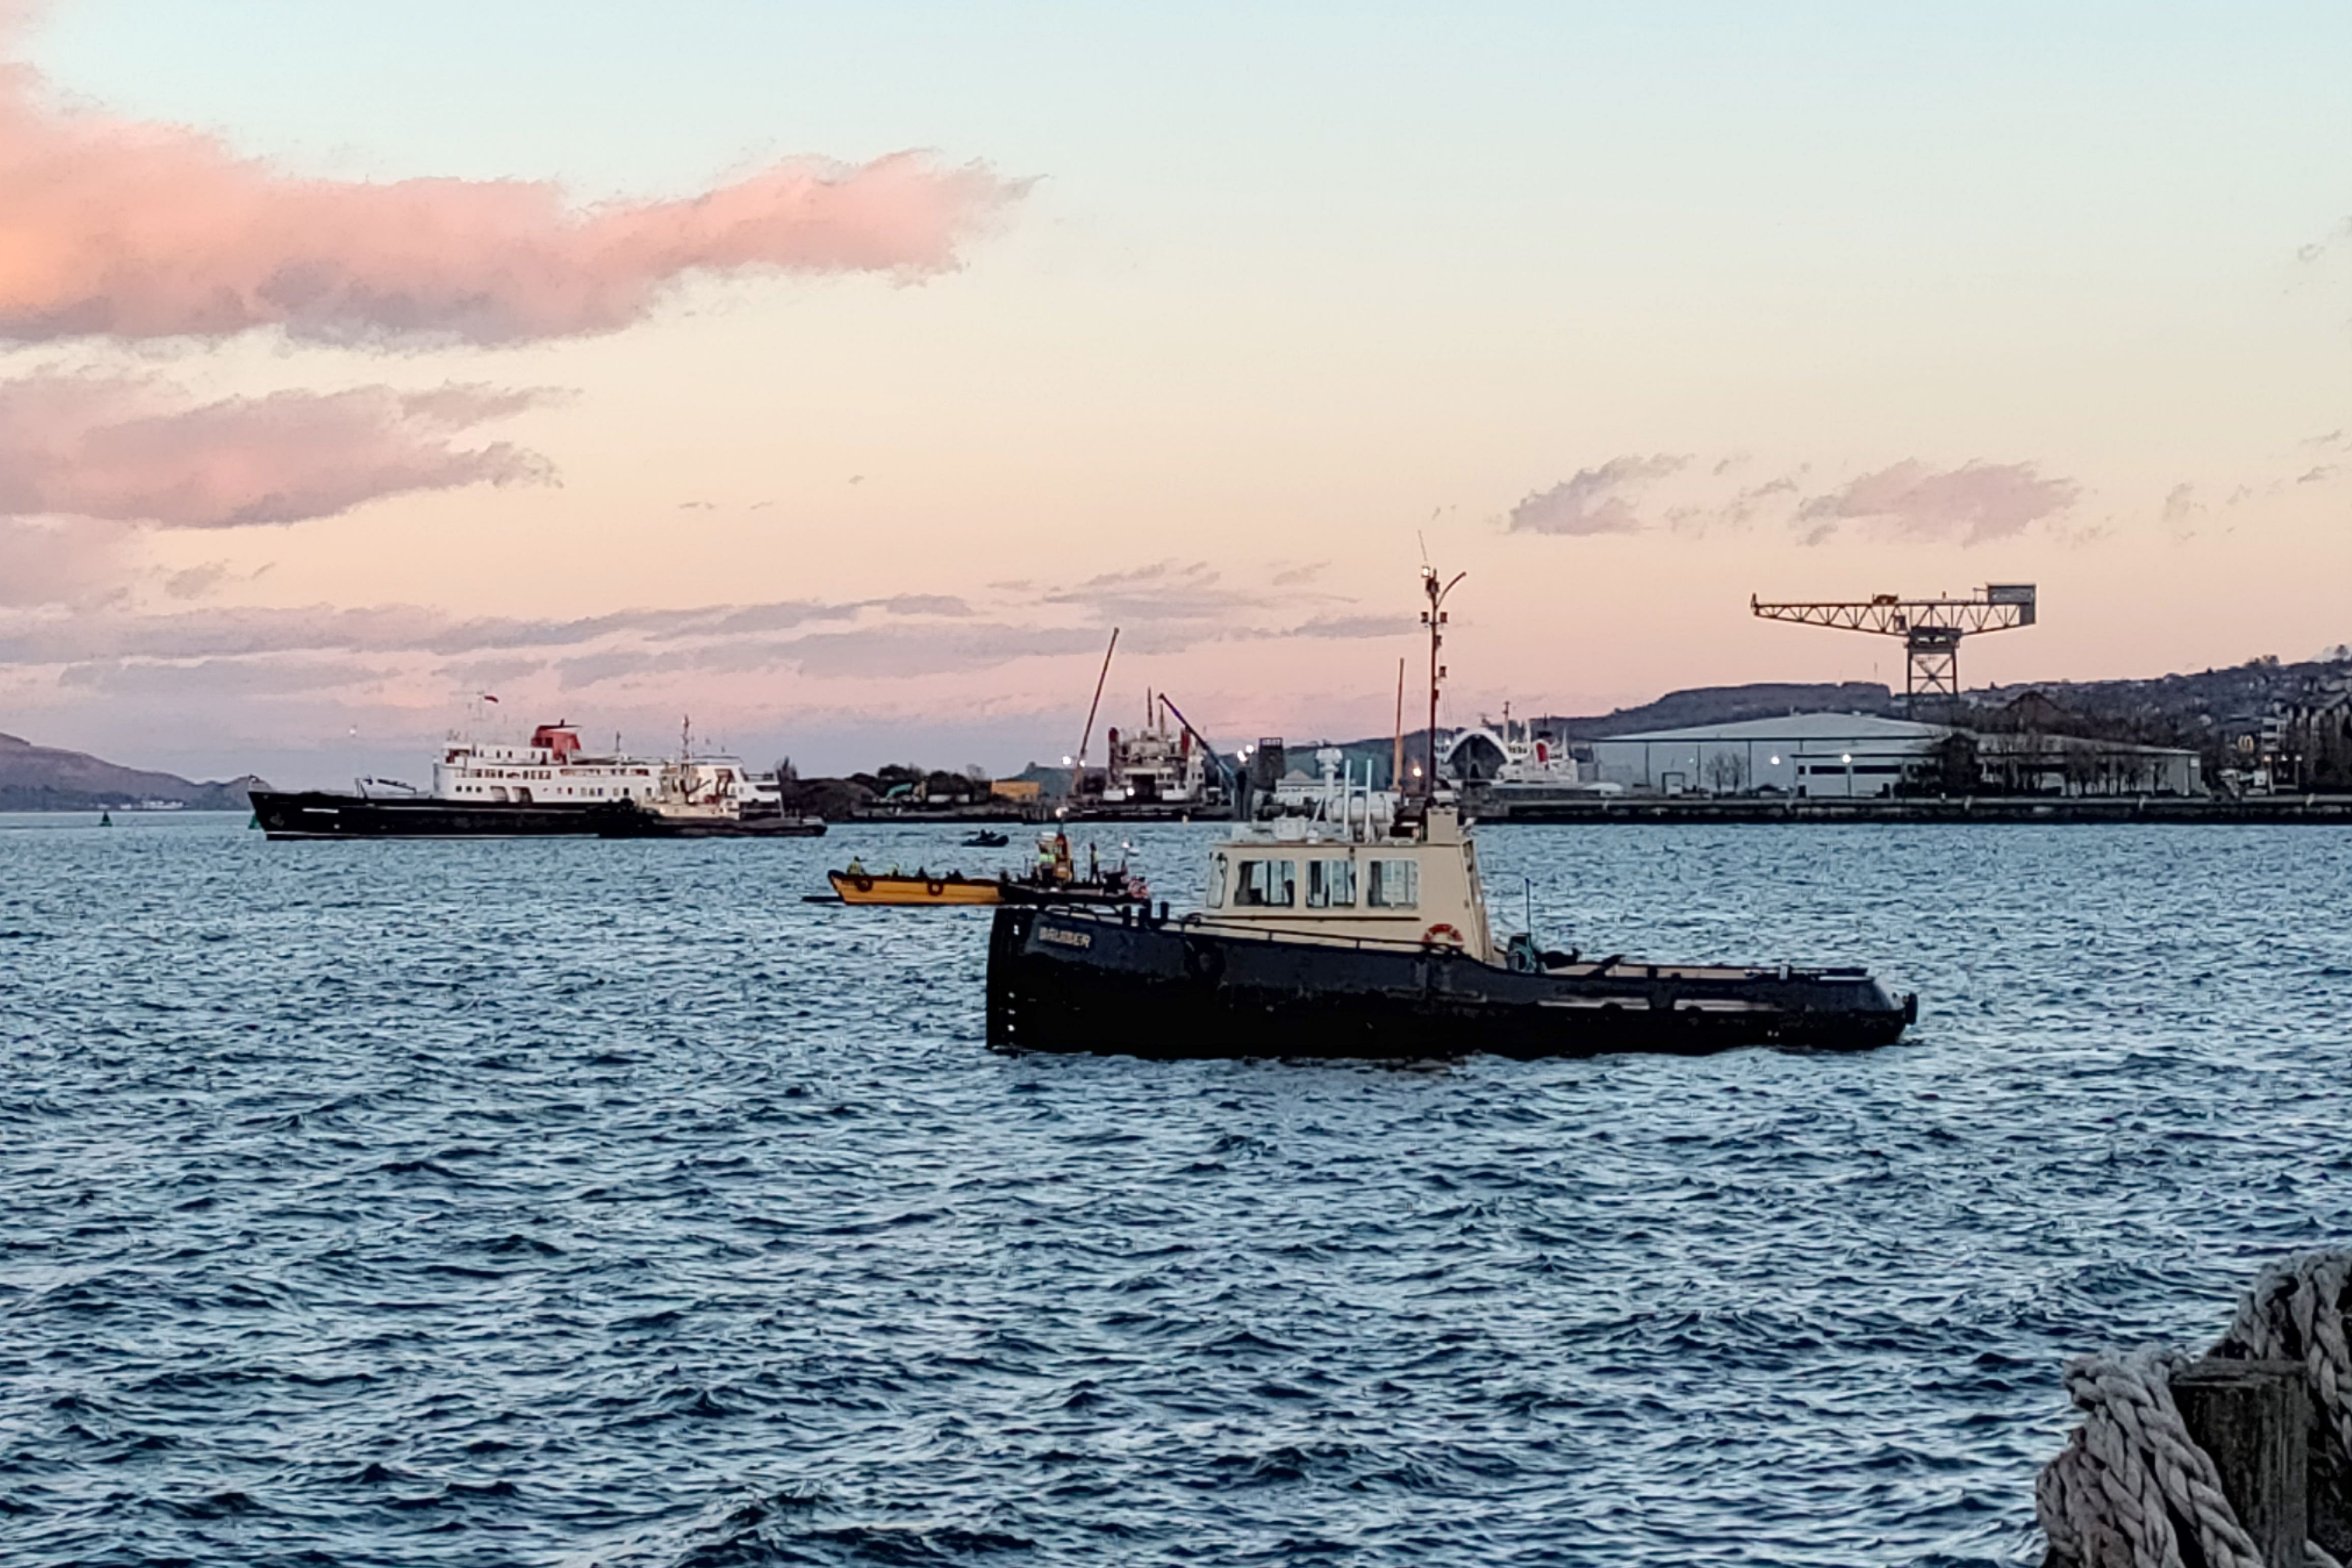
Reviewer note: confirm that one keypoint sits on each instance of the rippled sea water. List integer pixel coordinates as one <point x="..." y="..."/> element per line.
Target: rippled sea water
<point x="576" y="1203"/>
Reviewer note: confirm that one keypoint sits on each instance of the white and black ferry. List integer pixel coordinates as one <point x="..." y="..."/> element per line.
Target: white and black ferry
<point x="552" y="785"/>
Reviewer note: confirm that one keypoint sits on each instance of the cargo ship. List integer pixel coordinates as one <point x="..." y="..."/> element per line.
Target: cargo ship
<point x="551" y="786"/>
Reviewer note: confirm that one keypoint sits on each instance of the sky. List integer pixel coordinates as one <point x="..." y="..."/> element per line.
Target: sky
<point x="841" y="375"/>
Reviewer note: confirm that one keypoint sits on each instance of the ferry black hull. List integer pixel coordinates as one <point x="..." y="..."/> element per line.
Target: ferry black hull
<point x="313" y="815"/>
<point x="1062" y="980"/>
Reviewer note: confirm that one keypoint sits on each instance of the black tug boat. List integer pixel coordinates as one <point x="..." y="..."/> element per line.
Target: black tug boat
<point x="1362" y="933"/>
<point x="1246" y="981"/>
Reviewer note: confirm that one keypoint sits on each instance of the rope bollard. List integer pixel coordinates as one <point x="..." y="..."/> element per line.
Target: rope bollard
<point x="2253" y="1419"/>
<point x="2295" y="1311"/>
<point x="2242" y="1459"/>
<point x="2131" y="1481"/>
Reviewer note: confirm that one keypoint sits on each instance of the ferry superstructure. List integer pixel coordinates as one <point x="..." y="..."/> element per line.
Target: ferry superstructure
<point x="553" y="770"/>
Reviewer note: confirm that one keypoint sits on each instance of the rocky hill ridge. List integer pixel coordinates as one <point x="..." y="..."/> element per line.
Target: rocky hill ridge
<point x="51" y="778"/>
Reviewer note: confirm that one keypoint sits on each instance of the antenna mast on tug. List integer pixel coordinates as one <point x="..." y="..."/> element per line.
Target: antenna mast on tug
<point x="1434" y="619"/>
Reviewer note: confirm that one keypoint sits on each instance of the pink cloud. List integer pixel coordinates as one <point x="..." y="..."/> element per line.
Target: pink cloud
<point x="1594" y="500"/>
<point x="131" y="451"/>
<point x="1975" y="501"/>
<point x="124" y="228"/>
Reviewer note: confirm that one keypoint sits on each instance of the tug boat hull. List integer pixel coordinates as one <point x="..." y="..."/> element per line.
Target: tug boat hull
<point x="1077" y="980"/>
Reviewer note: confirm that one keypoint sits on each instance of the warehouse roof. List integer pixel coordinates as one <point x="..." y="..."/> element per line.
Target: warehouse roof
<point x="1797" y="726"/>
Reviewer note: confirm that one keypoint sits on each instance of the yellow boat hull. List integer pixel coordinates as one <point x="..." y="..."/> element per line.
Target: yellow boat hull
<point x="867" y="888"/>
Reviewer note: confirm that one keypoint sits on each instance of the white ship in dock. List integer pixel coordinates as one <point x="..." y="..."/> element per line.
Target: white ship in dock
<point x="1158" y="766"/>
<point x="1515" y="759"/>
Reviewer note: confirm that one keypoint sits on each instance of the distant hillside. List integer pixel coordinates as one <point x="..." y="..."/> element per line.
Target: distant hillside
<point x="2173" y="710"/>
<point x="46" y="778"/>
<point x="1730" y="705"/>
<point x="2184" y="709"/>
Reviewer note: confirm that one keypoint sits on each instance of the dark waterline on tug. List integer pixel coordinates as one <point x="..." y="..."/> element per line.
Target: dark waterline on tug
<point x="1144" y="986"/>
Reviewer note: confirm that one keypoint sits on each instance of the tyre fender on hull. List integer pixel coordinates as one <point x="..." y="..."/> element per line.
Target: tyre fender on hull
<point x="1203" y="961"/>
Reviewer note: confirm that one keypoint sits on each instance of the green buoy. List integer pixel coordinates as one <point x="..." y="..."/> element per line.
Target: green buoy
<point x="106" y="819"/>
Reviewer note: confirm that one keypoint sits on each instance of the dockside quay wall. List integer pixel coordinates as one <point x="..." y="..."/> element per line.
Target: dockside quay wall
<point x="1637" y="808"/>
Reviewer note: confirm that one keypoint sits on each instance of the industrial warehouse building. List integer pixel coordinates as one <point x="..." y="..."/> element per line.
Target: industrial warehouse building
<point x="1847" y="756"/>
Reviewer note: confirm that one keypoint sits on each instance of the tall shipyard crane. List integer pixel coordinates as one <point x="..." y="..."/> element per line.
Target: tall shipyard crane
<point x="1931" y="629"/>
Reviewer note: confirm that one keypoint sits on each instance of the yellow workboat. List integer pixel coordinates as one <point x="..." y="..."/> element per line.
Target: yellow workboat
<point x="1056" y="880"/>
<point x="859" y="886"/>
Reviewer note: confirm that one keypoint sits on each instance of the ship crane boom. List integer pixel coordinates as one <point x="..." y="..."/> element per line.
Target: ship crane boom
<point x="1931" y="629"/>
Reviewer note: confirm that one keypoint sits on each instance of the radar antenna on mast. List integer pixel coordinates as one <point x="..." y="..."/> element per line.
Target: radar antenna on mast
<point x="1434" y="619"/>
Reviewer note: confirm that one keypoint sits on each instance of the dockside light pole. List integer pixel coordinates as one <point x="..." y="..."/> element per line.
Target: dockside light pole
<point x="1396" y="753"/>
<point x="1434" y="619"/>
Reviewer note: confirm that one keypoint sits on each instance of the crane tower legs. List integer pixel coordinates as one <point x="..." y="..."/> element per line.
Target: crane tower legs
<point x="1931" y="669"/>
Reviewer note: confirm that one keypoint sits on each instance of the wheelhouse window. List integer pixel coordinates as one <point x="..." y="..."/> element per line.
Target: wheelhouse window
<point x="1266" y="884"/>
<point x="1331" y="884"/>
<point x="1395" y="885"/>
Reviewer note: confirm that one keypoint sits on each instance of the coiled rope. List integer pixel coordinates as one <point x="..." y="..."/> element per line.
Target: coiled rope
<point x="2130" y="1480"/>
<point x="2130" y="1476"/>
